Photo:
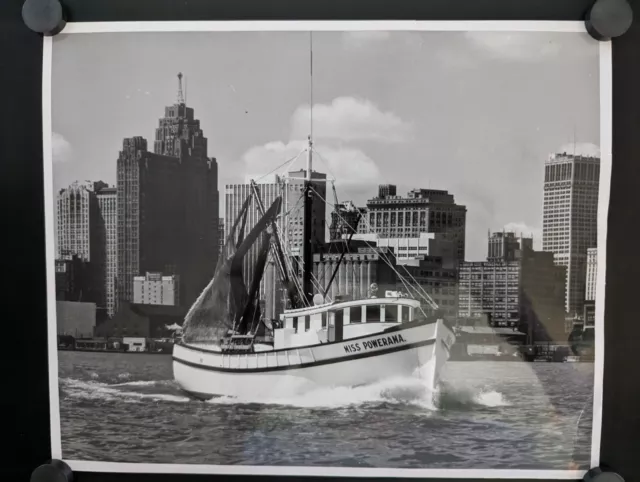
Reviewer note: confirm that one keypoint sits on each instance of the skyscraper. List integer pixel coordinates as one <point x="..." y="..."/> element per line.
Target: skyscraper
<point x="168" y="205"/>
<point x="81" y="234"/>
<point x="107" y="201"/>
<point x="570" y="212"/>
<point x="79" y="221"/>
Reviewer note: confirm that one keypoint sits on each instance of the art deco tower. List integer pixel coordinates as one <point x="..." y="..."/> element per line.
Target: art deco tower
<point x="168" y="205"/>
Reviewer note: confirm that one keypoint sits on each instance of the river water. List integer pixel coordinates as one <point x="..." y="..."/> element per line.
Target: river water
<point x="503" y="415"/>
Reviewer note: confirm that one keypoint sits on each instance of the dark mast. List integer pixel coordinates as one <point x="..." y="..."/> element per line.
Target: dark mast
<point x="307" y="253"/>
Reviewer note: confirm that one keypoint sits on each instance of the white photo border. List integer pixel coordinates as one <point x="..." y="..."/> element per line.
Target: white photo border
<point x="605" y="59"/>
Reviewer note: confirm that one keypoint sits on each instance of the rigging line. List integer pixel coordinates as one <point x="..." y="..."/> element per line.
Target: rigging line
<point x="281" y="165"/>
<point x="325" y="162"/>
<point x="386" y="260"/>
<point x="383" y="256"/>
<point x="426" y="296"/>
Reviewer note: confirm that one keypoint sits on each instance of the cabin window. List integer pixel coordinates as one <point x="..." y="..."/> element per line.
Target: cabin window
<point x="391" y="313"/>
<point x="355" y="314"/>
<point x="373" y="313"/>
<point x="295" y="325"/>
<point x="307" y="323"/>
<point x="324" y="320"/>
<point x="405" y="313"/>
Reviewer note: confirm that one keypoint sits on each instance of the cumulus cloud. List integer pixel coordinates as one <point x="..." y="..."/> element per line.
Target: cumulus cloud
<point x="350" y="119"/>
<point x="359" y="39"/>
<point x="581" y="149"/>
<point x="62" y="150"/>
<point x="527" y="231"/>
<point x="350" y="166"/>
<point x="524" y="46"/>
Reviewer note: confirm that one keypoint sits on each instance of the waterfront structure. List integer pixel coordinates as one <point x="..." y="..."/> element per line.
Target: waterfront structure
<point x="421" y="211"/>
<point x="138" y="320"/>
<point x="76" y="318"/>
<point x="523" y="289"/>
<point x="592" y="274"/>
<point x="77" y="280"/>
<point x="156" y="289"/>
<point x="570" y="212"/>
<point x="168" y="205"/>
<point x="107" y="202"/>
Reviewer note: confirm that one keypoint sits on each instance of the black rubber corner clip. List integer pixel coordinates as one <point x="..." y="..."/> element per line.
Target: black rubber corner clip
<point x="44" y="16"/>
<point x="602" y="475"/>
<point x="607" y="19"/>
<point x="53" y="471"/>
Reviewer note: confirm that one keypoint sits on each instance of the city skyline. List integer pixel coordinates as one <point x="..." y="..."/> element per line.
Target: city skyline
<point x="470" y="104"/>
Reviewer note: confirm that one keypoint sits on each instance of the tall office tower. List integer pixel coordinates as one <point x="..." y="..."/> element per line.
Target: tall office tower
<point x="421" y="211"/>
<point x="81" y="233"/>
<point x="107" y="201"/>
<point x="570" y="215"/>
<point x="168" y="205"/>
<point x="292" y="229"/>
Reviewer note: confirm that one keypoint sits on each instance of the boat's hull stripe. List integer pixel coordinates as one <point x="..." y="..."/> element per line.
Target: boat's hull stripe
<point x="402" y="326"/>
<point x="310" y="364"/>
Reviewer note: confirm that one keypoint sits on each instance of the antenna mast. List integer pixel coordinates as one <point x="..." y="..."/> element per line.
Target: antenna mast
<point x="181" y="99"/>
<point x="307" y="254"/>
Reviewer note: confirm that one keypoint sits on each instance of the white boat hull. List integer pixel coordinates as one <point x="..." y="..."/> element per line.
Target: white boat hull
<point x="410" y="349"/>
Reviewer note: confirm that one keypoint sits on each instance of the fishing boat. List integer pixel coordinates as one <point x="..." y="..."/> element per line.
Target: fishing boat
<point x="229" y="349"/>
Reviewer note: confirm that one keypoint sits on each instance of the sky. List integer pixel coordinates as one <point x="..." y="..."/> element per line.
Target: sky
<point x="474" y="113"/>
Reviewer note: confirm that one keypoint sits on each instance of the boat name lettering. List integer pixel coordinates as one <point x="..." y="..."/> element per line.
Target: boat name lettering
<point x="377" y="343"/>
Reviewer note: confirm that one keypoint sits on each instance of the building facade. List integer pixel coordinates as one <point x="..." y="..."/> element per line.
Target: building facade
<point x="107" y="201"/>
<point x="426" y="244"/>
<point x="357" y="272"/>
<point x="523" y="289"/>
<point x="570" y="213"/>
<point x="592" y="274"/>
<point x="80" y="227"/>
<point x="168" y="205"/>
<point x="81" y="234"/>
<point x="345" y="220"/>
<point x="502" y="246"/>
<point x="438" y="282"/>
<point x="421" y="211"/>
<point x="156" y="289"/>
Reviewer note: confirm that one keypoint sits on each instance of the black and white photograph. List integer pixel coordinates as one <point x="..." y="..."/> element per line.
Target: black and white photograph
<point x="328" y="248"/>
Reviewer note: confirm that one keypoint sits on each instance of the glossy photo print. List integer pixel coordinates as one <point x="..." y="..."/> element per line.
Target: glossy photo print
<point x="327" y="248"/>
